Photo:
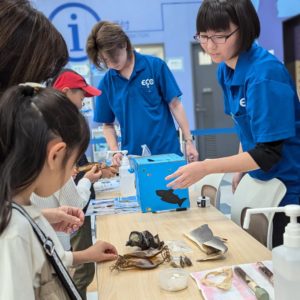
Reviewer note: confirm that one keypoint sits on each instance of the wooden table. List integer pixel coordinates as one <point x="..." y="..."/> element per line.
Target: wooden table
<point x="142" y="285"/>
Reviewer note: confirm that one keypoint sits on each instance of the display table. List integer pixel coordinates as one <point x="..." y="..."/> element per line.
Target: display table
<point x="143" y="284"/>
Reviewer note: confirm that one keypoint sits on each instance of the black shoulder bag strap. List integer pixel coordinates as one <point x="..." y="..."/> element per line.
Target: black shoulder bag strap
<point x="52" y="256"/>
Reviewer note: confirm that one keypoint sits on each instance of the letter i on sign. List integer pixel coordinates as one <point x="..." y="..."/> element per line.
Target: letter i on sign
<point x="75" y="34"/>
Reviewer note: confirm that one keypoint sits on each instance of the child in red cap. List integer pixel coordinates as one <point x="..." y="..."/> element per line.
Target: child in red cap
<point x="74" y="87"/>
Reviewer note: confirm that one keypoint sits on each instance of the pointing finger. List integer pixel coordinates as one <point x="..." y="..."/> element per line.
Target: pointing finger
<point x="174" y="175"/>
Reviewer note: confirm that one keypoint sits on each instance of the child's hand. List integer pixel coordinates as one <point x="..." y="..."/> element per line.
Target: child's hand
<point x="110" y="172"/>
<point x="74" y="173"/>
<point x="94" y="174"/>
<point x="102" y="251"/>
<point x="64" y="218"/>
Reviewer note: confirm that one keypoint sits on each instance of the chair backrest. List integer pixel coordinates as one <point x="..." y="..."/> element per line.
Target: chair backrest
<point x="210" y="186"/>
<point x="254" y="193"/>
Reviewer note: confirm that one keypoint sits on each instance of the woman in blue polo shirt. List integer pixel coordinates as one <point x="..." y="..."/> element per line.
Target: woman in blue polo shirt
<point x="140" y="92"/>
<point x="260" y="97"/>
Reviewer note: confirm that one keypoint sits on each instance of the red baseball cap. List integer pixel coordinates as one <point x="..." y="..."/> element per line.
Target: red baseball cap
<point x="73" y="80"/>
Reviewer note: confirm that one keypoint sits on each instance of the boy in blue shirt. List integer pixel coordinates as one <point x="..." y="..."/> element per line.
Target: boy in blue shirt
<point x="140" y="92"/>
<point x="261" y="98"/>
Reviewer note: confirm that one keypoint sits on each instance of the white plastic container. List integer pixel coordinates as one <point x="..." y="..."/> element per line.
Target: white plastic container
<point x="127" y="178"/>
<point x="285" y="258"/>
<point x="173" y="280"/>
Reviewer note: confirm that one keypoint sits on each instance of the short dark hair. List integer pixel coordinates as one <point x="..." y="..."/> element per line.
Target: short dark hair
<point x="32" y="49"/>
<point x="29" y="119"/>
<point x="217" y="15"/>
<point x="106" y="37"/>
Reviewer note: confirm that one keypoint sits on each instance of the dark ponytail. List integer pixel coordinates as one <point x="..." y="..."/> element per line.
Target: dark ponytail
<point x="29" y="119"/>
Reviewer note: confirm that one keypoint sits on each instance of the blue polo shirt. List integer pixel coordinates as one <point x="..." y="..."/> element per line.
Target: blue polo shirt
<point x="141" y="106"/>
<point x="262" y="100"/>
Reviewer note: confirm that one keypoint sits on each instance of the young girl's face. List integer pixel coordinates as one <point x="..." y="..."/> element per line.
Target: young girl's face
<point x="221" y="46"/>
<point x="117" y="61"/>
<point x="51" y="180"/>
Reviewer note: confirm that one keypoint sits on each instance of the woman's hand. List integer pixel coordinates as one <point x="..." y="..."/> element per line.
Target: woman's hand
<point x="64" y="218"/>
<point x="191" y="152"/>
<point x="187" y="175"/>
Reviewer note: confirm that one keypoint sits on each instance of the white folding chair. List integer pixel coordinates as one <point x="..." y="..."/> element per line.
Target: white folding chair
<point x="210" y="186"/>
<point x="254" y="193"/>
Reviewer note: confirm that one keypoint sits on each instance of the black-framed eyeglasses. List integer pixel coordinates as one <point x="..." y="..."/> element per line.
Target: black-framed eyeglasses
<point x="216" y="39"/>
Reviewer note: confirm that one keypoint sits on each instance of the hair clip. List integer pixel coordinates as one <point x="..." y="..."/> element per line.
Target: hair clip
<point x="32" y="84"/>
<point x="36" y="86"/>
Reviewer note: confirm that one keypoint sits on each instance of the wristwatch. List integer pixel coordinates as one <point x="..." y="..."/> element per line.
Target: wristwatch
<point x="190" y="138"/>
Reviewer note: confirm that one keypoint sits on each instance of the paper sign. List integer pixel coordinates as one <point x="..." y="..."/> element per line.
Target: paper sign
<point x="175" y="63"/>
<point x="204" y="59"/>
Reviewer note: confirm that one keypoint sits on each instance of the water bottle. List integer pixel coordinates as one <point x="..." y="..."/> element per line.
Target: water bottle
<point x="127" y="178"/>
<point x="285" y="258"/>
<point x="145" y="150"/>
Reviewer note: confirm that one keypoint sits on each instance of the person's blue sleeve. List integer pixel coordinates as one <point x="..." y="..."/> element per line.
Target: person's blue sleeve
<point x="270" y="106"/>
<point x="167" y="84"/>
<point x="103" y="112"/>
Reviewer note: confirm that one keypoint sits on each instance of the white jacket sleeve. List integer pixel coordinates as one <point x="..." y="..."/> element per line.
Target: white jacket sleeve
<point x="73" y="195"/>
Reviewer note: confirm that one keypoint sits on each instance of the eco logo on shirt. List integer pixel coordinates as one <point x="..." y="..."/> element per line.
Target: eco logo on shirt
<point x="243" y="102"/>
<point x="147" y="82"/>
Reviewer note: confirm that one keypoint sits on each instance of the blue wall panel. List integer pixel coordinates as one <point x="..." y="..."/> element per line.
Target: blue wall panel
<point x="147" y="22"/>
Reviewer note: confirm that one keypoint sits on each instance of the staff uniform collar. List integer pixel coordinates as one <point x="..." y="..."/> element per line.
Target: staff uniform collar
<point x="238" y="75"/>
<point x="139" y="64"/>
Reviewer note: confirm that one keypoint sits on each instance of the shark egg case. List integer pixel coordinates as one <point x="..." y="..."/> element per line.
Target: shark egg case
<point x="151" y="186"/>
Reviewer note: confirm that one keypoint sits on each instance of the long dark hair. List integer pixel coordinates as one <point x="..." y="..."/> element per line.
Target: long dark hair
<point x="32" y="50"/>
<point x="29" y="119"/>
